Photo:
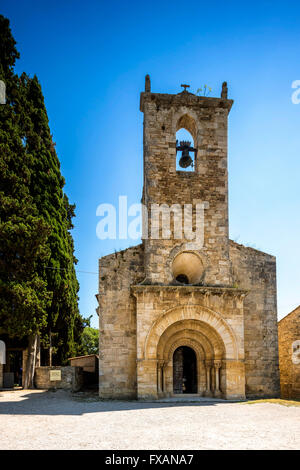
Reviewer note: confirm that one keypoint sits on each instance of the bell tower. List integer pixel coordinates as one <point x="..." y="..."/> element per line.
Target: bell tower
<point x="203" y="190"/>
<point x="187" y="310"/>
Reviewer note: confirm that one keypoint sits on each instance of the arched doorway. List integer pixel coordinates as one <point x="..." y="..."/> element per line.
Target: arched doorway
<point x="184" y="370"/>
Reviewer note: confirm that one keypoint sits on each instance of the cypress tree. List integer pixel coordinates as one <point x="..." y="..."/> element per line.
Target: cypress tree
<point x="63" y="320"/>
<point x="23" y="232"/>
<point x="38" y="285"/>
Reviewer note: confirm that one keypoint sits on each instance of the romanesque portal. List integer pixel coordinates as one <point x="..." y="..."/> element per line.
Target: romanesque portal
<point x="180" y="315"/>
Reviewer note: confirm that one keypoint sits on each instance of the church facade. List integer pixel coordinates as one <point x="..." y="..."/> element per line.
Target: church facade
<point x="182" y="315"/>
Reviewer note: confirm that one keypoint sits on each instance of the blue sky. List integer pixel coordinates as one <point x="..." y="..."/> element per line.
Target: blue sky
<point x="91" y="58"/>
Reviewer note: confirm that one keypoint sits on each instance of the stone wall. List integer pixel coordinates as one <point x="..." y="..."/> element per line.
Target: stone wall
<point x="256" y="271"/>
<point x="117" y="322"/>
<point x="289" y="355"/>
<point x="71" y="378"/>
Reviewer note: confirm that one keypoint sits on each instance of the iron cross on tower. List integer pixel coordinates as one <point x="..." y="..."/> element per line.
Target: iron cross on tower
<point x="185" y="86"/>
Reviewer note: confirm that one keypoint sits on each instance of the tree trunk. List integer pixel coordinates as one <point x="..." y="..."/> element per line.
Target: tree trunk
<point x="50" y="348"/>
<point x="31" y="360"/>
<point x="38" y="352"/>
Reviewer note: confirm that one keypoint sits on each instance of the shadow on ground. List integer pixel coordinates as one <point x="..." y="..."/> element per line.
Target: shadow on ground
<point x="61" y="402"/>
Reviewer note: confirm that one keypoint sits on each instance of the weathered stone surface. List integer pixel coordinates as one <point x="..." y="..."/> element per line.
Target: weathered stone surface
<point x="289" y="354"/>
<point x="89" y="362"/>
<point x="71" y="378"/>
<point x="117" y="322"/>
<point x="256" y="271"/>
<point x="227" y="314"/>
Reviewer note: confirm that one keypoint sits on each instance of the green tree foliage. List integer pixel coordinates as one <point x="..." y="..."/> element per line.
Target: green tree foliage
<point x="38" y="285"/>
<point x="89" y="341"/>
<point x="63" y="319"/>
<point x="23" y="232"/>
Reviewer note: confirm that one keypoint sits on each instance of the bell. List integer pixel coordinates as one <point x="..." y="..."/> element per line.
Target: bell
<point x="185" y="160"/>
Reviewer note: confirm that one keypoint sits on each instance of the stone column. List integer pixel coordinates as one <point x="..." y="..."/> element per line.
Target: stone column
<point x="168" y="378"/>
<point x="163" y="386"/>
<point x="160" y="379"/>
<point x="217" y="392"/>
<point x="208" y="366"/>
<point x="201" y="367"/>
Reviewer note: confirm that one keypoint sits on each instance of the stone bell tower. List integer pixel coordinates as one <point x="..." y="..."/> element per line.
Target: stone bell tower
<point x="206" y="120"/>
<point x="187" y="311"/>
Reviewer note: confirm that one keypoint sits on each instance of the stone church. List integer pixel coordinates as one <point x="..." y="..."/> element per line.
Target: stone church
<point x="180" y="315"/>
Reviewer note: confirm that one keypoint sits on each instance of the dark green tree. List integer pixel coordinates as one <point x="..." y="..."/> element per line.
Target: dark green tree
<point x="38" y="285"/>
<point x="23" y="232"/>
<point x="64" y="323"/>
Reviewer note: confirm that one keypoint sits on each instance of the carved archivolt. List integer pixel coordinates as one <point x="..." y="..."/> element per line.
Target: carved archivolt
<point x="190" y="343"/>
<point x="202" y="334"/>
<point x="204" y="320"/>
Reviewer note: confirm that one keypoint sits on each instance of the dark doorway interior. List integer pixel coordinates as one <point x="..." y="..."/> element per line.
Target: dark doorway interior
<point x="14" y="365"/>
<point x="184" y="370"/>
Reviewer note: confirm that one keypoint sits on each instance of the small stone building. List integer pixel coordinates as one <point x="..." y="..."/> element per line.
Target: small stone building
<point x="89" y="362"/>
<point x="180" y="315"/>
<point x="90" y="367"/>
<point x="289" y="354"/>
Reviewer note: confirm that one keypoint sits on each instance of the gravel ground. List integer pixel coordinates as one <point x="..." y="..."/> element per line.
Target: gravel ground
<point x="57" y="420"/>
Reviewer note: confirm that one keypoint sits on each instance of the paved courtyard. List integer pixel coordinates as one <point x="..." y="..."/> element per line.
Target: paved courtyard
<point x="58" y="420"/>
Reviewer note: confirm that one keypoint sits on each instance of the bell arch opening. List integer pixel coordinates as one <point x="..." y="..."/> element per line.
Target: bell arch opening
<point x="184" y="370"/>
<point x="186" y="144"/>
<point x="185" y="154"/>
